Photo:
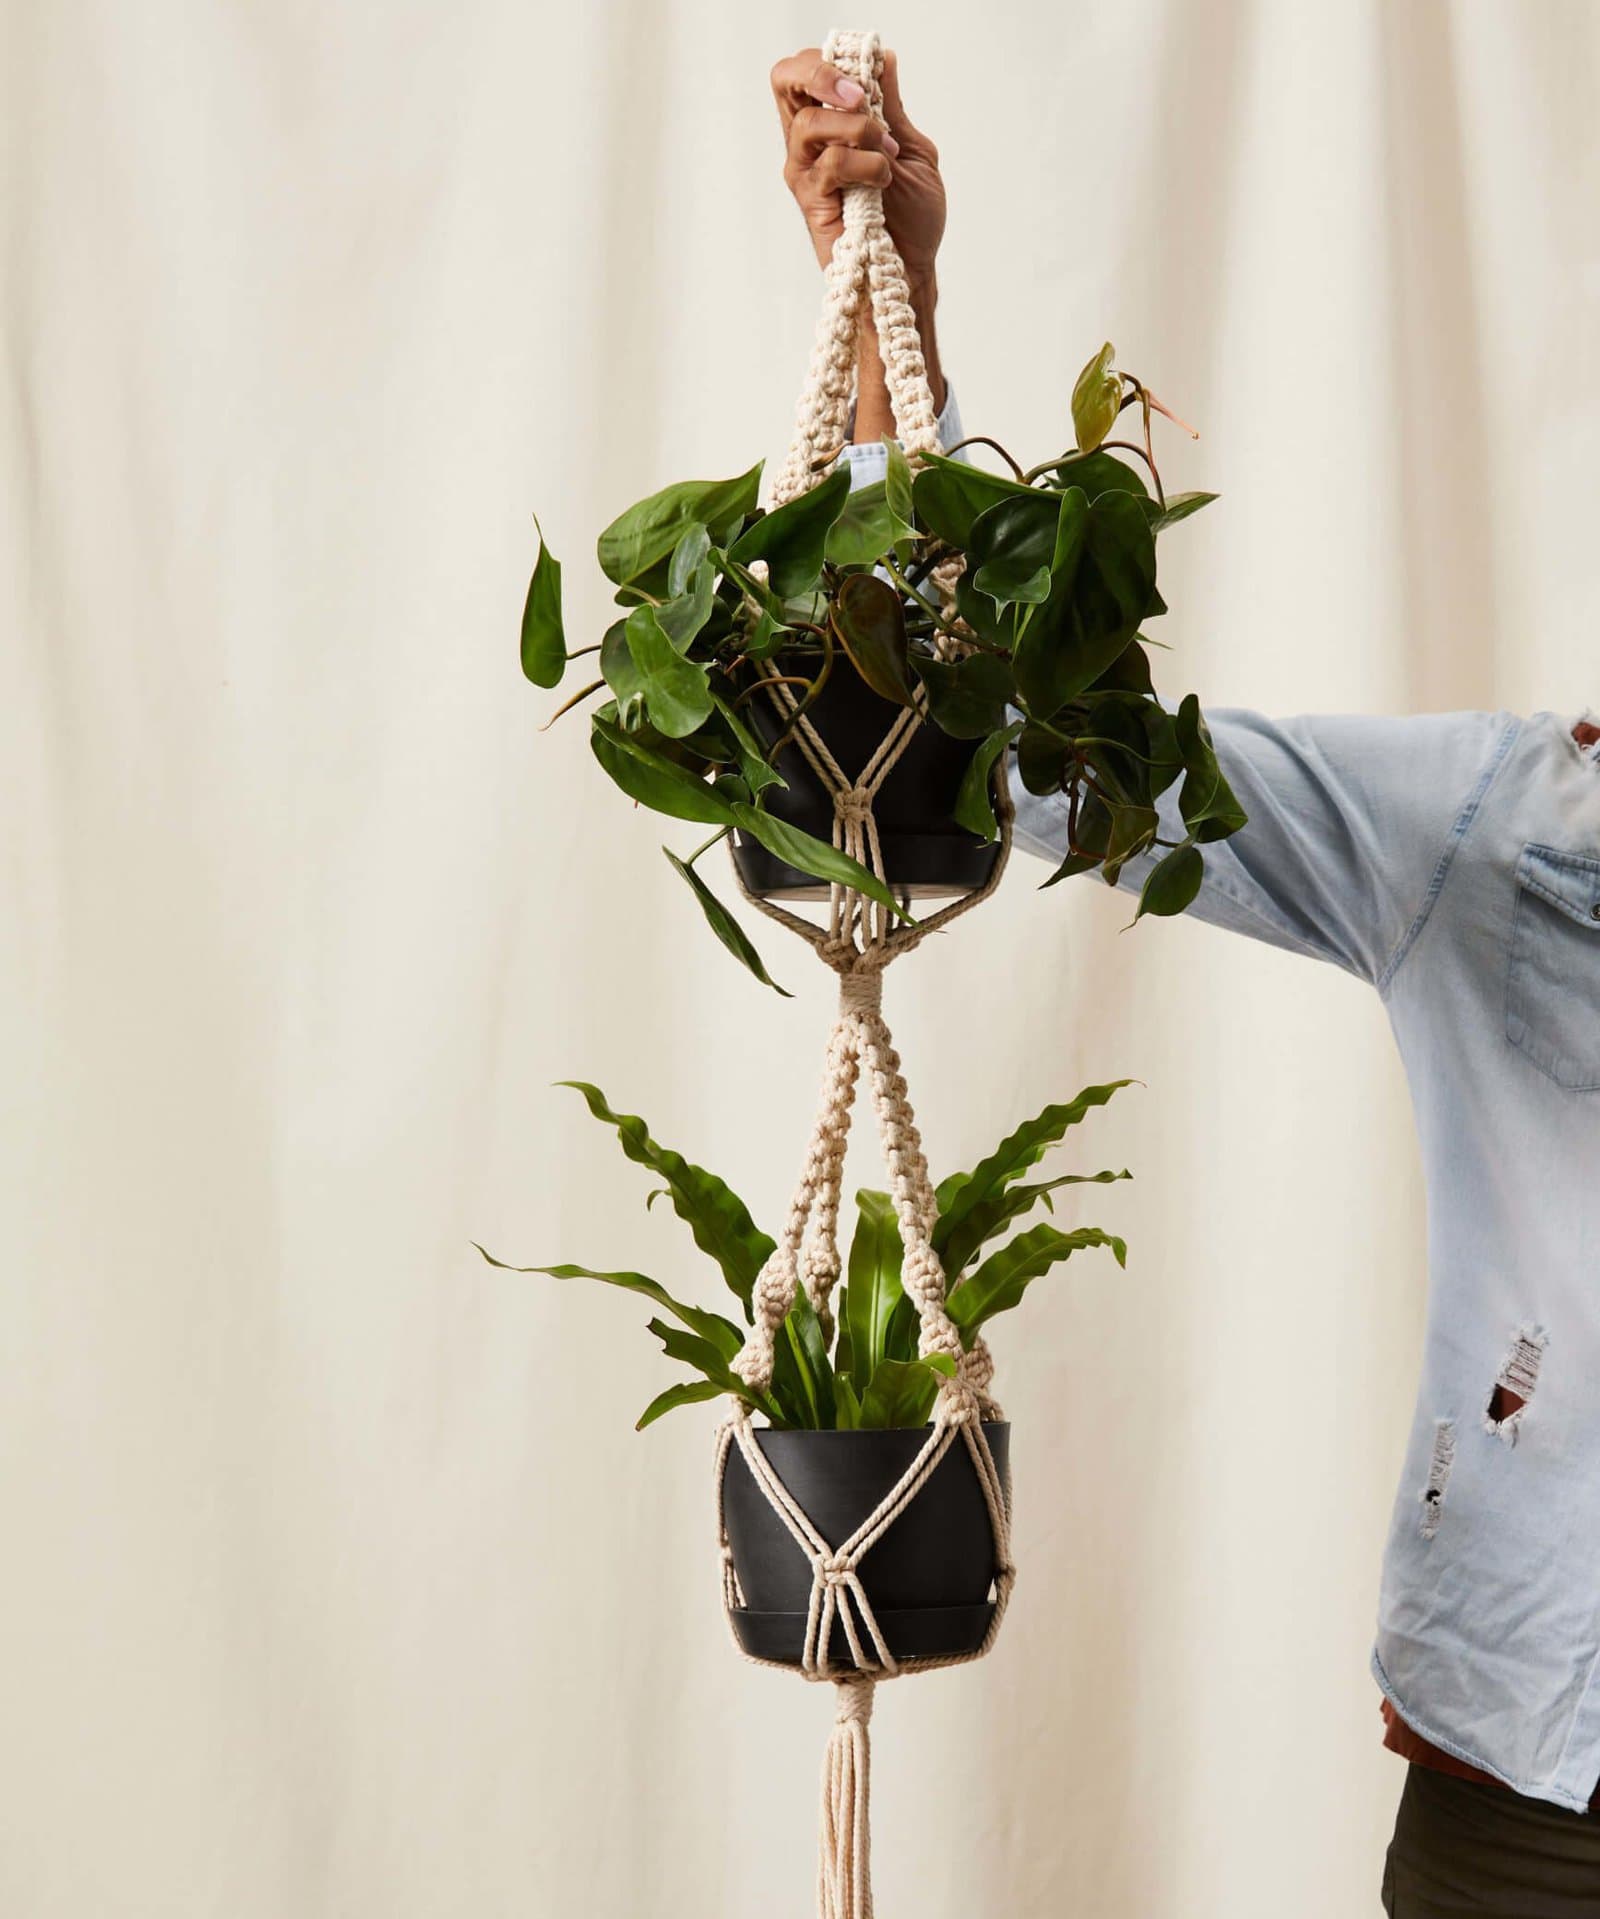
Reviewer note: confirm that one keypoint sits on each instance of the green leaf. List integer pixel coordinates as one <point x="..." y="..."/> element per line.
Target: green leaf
<point x="1003" y="1278"/>
<point x="724" y="925"/>
<point x="688" y="1392"/>
<point x="621" y="675"/>
<point x="1024" y="1147"/>
<point x="904" y="1332"/>
<point x="874" y="1289"/>
<point x="1172" y="883"/>
<point x="866" y="529"/>
<point x="813" y="856"/>
<point x="677" y="694"/>
<point x="1207" y="802"/>
<point x="654" y="780"/>
<point x="689" y="1350"/>
<point x="1097" y="399"/>
<point x="718" y="1333"/>
<point x="1011" y="547"/>
<point x="902" y="1392"/>
<point x="1097" y="473"/>
<point x="949" y="495"/>
<point x="688" y="557"/>
<point x="646" y="534"/>
<point x="959" y="1244"/>
<point x="1101" y="591"/>
<point x="967" y="698"/>
<point x="793" y="538"/>
<point x="717" y="1217"/>
<point x="847" y="1407"/>
<point x="897" y="479"/>
<point x="544" y="638"/>
<point x="871" y="626"/>
<point x="800" y="1339"/>
<point x="974" y="808"/>
<point x="1178" y="507"/>
<point x="756" y="770"/>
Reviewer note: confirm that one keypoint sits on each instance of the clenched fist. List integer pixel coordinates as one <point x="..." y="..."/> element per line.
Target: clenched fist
<point x="833" y="142"/>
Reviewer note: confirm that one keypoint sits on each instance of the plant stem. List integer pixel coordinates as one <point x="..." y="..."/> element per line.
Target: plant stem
<point x="982" y="439"/>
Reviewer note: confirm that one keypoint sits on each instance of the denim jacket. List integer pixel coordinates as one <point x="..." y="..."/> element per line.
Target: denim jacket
<point x="1453" y="862"/>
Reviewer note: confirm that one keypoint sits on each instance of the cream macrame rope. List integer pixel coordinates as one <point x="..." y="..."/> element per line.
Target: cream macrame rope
<point x="861" y="938"/>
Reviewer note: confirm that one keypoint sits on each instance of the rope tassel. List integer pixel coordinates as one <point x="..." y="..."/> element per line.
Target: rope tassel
<point x="844" y="1861"/>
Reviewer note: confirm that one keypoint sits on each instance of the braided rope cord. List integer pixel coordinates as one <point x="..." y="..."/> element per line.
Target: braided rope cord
<point x="859" y="940"/>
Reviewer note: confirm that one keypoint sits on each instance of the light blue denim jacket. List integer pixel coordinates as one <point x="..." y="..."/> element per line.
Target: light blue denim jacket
<point x="1453" y="862"/>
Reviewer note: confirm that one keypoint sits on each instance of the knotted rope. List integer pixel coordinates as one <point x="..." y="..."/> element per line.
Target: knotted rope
<point x="859" y="940"/>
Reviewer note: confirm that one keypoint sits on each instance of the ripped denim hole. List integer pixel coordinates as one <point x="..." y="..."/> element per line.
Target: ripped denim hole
<point x="1444" y="1457"/>
<point x="1514" y="1384"/>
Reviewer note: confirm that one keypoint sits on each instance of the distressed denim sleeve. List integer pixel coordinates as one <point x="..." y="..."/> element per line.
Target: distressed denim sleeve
<point x="1351" y="825"/>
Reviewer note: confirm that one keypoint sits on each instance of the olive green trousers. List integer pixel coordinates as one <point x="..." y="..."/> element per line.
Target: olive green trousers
<point x="1461" y="1849"/>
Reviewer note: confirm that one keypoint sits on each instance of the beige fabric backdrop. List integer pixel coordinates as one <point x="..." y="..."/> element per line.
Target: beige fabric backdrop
<point x="334" y="1580"/>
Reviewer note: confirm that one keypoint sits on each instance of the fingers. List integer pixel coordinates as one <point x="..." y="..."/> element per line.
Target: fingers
<point x="806" y="79"/>
<point x="815" y="130"/>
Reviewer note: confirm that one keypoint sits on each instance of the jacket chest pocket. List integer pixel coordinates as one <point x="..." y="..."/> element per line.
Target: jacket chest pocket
<point x="1553" y="971"/>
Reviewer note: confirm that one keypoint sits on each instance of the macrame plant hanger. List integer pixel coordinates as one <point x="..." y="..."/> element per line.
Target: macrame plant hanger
<point x="859" y="940"/>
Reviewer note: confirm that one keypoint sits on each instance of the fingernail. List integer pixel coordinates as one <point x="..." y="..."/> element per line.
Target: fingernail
<point x="891" y="145"/>
<point x="848" y="93"/>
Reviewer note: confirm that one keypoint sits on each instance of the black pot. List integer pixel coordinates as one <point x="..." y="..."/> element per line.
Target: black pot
<point x="925" y="853"/>
<point x="928" y="1578"/>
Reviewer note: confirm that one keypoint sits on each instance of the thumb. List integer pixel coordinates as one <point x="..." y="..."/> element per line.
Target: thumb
<point x="894" y="110"/>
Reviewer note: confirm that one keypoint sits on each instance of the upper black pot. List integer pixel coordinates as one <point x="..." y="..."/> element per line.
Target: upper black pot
<point x="925" y="853"/>
<point x="927" y="1579"/>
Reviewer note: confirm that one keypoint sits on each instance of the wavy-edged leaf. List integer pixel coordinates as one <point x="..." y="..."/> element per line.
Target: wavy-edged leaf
<point x="688" y="1392"/>
<point x="1000" y="1282"/>
<point x="957" y="1245"/>
<point x="874" y="1289"/>
<point x="958" y="1195"/>
<point x="902" y="1392"/>
<point x="793" y="538"/>
<point x="690" y="1350"/>
<point x="642" y="537"/>
<point x="724" y="925"/>
<point x="802" y="1378"/>
<point x="717" y="1217"/>
<point x="718" y="1333"/>
<point x="544" y="638"/>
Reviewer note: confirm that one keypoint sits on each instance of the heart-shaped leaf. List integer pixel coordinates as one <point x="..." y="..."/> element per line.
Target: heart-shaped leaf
<point x="677" y="693"/>
<point x="638" y="540"/>
<point x="1173" y="883"/>
<point x="870" y="624"/>
<point x="793" y="538"/>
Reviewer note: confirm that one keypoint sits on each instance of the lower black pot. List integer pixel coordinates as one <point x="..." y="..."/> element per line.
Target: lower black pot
<point x="925" y="853"/>
<point x="928" y="1578"/>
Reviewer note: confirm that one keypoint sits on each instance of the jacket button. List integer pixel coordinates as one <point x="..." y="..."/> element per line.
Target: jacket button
<point x="1594" y="911"/>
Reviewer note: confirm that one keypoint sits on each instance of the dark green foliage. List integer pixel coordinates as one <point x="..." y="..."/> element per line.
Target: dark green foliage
<point x="874" y="1376"/>
<point x="1059" y="583"/>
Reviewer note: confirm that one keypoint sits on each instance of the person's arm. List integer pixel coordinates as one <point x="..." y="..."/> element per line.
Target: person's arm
<point x="1353" y="825"/>
<point x="831" y="143"/>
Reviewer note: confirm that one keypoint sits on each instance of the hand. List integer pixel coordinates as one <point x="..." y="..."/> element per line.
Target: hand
<point x="832" y="143"/>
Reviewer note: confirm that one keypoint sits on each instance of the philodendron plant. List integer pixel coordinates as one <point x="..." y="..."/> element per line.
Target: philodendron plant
<point x="1044" y="647"/>
<point x="870" y="1374"/>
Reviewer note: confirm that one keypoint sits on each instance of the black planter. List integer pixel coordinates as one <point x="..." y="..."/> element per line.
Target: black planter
<point x="928" y="1578"/>
<point x="926" y="854"/>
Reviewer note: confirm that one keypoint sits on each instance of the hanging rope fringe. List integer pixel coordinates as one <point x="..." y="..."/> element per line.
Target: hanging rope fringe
<point x="844" y="1858"/>
<point x="860" y="939"/>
